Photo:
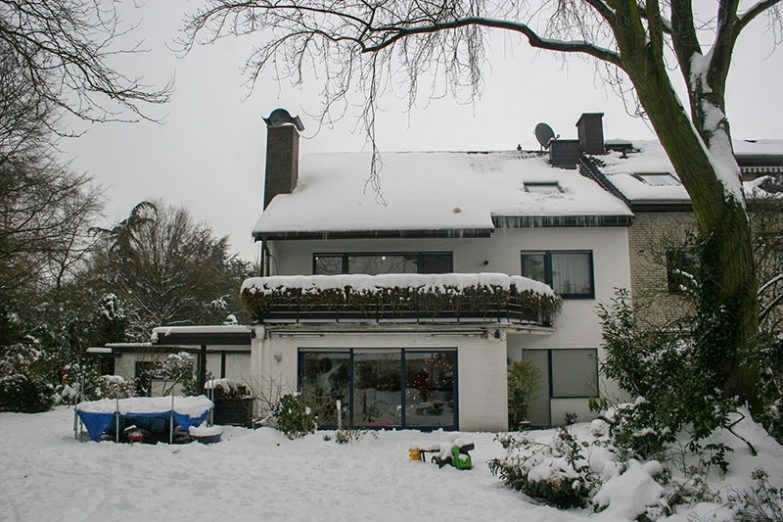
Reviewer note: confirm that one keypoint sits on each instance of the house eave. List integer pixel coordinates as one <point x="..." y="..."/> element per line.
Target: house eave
<point x="498" y="221"/>
<point x="576" y="221"/>
<point x="433" y="329"/>
<point x="372" y="234"/>
<point x="641" y="205"/>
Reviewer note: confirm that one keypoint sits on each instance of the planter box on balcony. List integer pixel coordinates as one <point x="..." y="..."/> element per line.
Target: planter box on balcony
<point x="400" y="298"/>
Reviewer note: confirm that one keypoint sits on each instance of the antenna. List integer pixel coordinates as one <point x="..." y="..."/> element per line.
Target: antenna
<point x="544" y="134"/>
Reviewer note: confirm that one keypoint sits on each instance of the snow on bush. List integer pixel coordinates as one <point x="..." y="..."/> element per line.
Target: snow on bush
<point x="293" y="417"/>
<point x="570" y="471"/>
<point x="400" y="291"/>
<point x="23" y="381"/>
<point x="177" y="368"/>
<point x="763" y="502"/>
<point x="116" y="387"/>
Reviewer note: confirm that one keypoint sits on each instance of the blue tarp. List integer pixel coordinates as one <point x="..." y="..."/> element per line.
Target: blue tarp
<point x="99" y="416"/>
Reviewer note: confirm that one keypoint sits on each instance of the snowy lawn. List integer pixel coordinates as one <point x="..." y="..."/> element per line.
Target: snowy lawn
<point x="251" y="475"/>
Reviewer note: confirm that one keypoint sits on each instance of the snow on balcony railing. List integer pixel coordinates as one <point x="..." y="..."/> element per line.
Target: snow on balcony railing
<point x="400" y="296"/>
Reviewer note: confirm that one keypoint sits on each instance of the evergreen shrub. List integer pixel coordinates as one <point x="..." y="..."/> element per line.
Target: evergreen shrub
<point x="293" y="417"/>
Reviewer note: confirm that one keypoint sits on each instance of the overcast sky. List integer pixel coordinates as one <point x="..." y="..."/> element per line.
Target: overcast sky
<point x="208" y="152"/>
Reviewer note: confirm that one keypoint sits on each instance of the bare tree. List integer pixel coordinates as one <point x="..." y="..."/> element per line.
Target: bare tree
<point x="63" y="48"/>
<point x="368" y="45"/>
<point x="45" y="210"/>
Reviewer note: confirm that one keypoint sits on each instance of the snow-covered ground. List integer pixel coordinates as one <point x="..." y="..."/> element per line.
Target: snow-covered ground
<point x="252" y="475"/>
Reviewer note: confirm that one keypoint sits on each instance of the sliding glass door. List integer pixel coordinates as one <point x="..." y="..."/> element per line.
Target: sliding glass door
<point x="381" y="388"/>
<point x="376" y="389"/>
<point x="430" y="381"/>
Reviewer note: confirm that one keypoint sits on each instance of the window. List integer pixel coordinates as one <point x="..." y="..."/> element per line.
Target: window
<point x="381" y="387"/>
<point x="680" y="265"/>
<point x="383" y="263"/>
<point x="570" y="274"/>
<point x="658" y="179"/>
<point x="565" y="374"/>
<point x="574" y="373"/>
<point x="543" y="188"/>
<point x="106" y="365"/>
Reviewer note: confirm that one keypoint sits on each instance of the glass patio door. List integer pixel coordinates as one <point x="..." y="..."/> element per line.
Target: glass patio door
<point x="382" y="388"/>
<point x="376" y="389"/>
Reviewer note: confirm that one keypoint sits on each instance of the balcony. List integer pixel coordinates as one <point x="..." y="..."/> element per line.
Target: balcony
<point x="400" y="298"/>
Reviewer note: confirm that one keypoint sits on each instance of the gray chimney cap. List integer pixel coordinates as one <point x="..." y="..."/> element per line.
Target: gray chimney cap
<point x="280" y="117"/>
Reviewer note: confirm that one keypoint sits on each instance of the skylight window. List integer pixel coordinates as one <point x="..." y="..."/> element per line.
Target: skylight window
<point x="658" y="179"/>
<point x="543" y="188"/>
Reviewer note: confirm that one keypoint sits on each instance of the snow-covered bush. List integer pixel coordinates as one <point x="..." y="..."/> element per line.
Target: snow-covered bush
<point x="675" y="388"/>
<point x="348" y="436"/>
<point x="116" y="387"/>
<point x="771" y="384"/>
<point x="79" y="381"/>
<point x="761" y="503"/>
<point x="24" y="383"/>
<point x="557" y="473"/>
<point x="571" y="471"/>
<point x="293" y="417"/>
<point x="177" y="368"/>
<point x="399" y="292"/>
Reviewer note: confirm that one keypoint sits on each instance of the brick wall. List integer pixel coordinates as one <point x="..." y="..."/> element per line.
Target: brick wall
<point x="650" y="236"/>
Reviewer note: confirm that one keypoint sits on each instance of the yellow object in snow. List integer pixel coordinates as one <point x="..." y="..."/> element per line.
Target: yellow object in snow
<point x="414" y="454"/>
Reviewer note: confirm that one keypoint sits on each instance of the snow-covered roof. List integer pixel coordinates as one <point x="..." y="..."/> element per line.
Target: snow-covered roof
<point x="202" y="334"/>
<point x="429" y="191"/>
<point x="199" y="329"/>
<point x="625" y="170"/>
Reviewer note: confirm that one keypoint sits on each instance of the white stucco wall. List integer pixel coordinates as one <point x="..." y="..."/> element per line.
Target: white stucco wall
<point x="577" y="325"/>
<point x="238" y="367"/>
<point x="482" y="391"/>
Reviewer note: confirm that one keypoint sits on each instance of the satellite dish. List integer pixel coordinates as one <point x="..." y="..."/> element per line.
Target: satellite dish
<point x="282" y="117"/>
<point x="544" y="134"/>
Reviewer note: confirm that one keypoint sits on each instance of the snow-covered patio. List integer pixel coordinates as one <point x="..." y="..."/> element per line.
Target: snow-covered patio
<point x="256" y="475"/>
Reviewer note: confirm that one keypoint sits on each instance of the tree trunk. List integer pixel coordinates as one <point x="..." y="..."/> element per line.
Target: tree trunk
<point x="727" y="303"/>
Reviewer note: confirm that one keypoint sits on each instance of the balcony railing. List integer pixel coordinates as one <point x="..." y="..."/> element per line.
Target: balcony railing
<point x="400" y="298"/>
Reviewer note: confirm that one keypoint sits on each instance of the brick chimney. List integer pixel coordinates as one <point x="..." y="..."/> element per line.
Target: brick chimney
<point x="590" y="129"/>
<point x="282" y="154"/>
<point x="564" y="153"/>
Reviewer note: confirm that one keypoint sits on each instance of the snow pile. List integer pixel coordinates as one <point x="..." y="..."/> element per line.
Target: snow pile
<point x="430" y="191"/>
<point x="633" y="492"/>
<point x="423" y="283"/>
<point x="204" y="431"/>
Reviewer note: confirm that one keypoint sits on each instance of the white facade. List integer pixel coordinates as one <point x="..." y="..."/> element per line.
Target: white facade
<point x="482" y="358"/>
<point x="237" y="365"/>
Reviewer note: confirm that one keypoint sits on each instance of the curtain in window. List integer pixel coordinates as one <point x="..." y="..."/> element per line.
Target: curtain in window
<point x="571" y="273"/>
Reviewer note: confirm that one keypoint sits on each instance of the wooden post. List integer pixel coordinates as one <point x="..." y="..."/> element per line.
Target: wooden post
<point x="171" y="422"/>
<point x="202" y="368"/>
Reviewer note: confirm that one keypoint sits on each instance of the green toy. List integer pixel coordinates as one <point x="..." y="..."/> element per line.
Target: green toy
<point x="459" y="458"/>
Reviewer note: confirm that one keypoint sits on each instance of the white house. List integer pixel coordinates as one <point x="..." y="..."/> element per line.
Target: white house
<point x="406" y="296"/>
<point x="430" y="347"/>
